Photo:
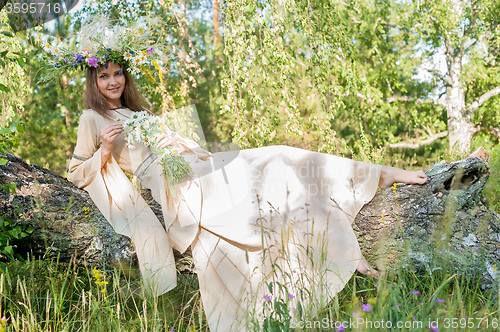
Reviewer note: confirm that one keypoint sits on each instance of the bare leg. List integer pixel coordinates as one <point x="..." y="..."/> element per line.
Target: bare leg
<point x="366" y="269"/>
<point x="391" y="175"/>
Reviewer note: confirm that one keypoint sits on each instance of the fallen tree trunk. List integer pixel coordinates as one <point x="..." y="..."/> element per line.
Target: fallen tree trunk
<point x="66" y="222"/>
<point x="447" y="220"/>
<point x="449" y="212"/>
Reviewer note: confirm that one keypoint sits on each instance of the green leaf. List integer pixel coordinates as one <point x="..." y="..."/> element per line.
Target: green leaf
<point x="6" y="33"/>
<point x="3" y="161"/>
<point x="8" y="250"/>
<point x="2" y="63"/>
<point x="4" y="88"/>
<point x="4" y="53"/>
<point x="20" y="62"/>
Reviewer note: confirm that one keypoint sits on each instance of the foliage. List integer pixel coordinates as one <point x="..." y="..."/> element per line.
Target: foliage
<point x="287" y="66"/>
<point x="8" y="140"/>
<point x="492" y="188"/>
<point x="14" y="79"/>
<point x="10" y="231"/>
<point x="358" y="62"/>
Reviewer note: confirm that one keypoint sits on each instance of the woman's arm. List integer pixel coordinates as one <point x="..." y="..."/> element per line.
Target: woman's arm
<point x="165" y="140"/>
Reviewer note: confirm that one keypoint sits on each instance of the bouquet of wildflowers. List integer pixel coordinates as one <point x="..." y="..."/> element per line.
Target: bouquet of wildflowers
<point x="144" y="127"/>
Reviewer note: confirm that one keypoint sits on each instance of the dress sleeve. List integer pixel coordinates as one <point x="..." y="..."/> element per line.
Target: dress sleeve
<point x="86" y="161"/>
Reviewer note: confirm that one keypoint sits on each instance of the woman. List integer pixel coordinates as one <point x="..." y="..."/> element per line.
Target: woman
<point x="274" y="215"/>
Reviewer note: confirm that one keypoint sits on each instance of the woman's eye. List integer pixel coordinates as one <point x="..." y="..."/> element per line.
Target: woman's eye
<point x="103" y="76"/>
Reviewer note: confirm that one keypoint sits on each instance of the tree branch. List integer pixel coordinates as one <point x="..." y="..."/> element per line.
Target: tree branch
<point x="495" y="132"/>
<point x="362" y="96"/>
<point x="419" y="101"/>
<point x="417" y="145"/>
<point x="481" y="100"/>
<point x="467" y="32"/>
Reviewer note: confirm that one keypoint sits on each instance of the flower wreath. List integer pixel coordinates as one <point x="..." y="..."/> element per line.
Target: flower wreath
<point x="100" y="42"/>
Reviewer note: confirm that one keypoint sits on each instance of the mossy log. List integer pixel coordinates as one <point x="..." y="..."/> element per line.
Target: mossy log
<point x="445" y="222"/>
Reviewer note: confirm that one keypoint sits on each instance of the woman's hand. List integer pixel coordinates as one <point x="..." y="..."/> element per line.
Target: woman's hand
<point x="165" y="140"/>
<point x="108" y="136"/>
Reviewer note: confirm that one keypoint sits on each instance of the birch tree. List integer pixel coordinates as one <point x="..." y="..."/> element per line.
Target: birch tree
<point x="469" y="34"/>
<point x="357" y="62"/>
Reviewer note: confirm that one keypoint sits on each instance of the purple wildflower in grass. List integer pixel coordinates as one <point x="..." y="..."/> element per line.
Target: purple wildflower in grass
<point x="151" y="50"/>
<point x="366" y="307"/>
<point x="440" y="300"/>
<point x="267" y="298"/>
<point x="397" y="306"/>
<point x="291" y="296"/>
<point x="341" y="327"/>
<point x="355" y="314"/>
<point x="415" y="292"/>
<point x="434" y="328"/>
<point x="171" y="329"/>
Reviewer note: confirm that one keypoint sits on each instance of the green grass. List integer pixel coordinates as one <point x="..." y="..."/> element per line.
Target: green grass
<point x="44" y="295"/>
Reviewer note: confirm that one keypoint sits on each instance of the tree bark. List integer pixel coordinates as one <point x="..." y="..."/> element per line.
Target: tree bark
<point x="460" y="127"/>
<point x="446" y="220"/>
<point x="215" y="20"/>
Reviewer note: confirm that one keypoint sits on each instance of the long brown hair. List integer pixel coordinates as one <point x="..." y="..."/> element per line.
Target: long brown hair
<point x="93" y="98"/>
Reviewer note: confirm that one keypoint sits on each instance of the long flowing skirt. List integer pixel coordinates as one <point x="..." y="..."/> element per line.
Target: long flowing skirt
<point x="273" y="223"/>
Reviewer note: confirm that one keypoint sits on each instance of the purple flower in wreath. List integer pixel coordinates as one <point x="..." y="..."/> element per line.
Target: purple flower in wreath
<point x="291" y="296"/>
<point x="79" y="58"/>
<point x="93" y="61"/>
<point x="151" y="50"/>
<point x="268" y="298"/>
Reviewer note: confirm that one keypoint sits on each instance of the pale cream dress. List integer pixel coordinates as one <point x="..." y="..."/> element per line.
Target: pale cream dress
<point x="274" y="215"/>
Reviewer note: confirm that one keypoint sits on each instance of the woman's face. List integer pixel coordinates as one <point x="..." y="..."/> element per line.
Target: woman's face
<point x="111" y="82"/>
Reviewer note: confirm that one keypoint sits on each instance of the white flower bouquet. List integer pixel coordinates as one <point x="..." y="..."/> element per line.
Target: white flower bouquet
<point x="144" y="127"/>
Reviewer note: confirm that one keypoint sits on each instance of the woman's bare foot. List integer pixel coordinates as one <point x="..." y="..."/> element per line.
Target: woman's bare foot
<point x="365" y="269"/>
<point x="391" y="175"/>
